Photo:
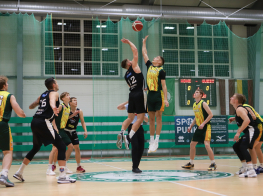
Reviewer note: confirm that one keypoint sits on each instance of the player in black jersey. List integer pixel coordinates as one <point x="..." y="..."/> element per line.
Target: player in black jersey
<point x="247" y="125"/>
<point x="75" y="115"/>
<point x="44" y="132"/>
<point x="135" y="81"/>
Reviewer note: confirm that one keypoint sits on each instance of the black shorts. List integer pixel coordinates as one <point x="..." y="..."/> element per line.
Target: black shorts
<point x="136" y="102"/>
<point x="250" y="137"/>
<point x="43" y="132"/>
<point x="73" y="136"/>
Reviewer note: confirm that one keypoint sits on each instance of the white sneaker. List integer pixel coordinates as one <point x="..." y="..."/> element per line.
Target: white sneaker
<point x="150" y="147"/>
<point x="155" y="146"/>
<point x="248" y="174"/>
<point x="126" y="142"/>
<point x="63" y="180"/>
<point x="68" y="171"/>
<point x="50" y="172"/>
<point x="19" y="177"/>
<point x="241" y="170"/>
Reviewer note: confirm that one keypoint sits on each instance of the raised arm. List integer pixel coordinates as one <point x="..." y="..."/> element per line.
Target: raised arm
<point x="122" y="106"/>
<point x="53" y="96"/>
<point x="16" y="107"/>
<point x="144" y="50"/>
<point x="134" y="52"/>
<point x="83" y="124"/>
<point x="34" y="104"/>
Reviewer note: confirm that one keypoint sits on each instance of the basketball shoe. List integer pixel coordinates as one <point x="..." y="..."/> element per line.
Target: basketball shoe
<point x="119" y="140"/>
<point x="248" y="174"/>
<point x="126" y="142"/>
<point x="19" y="177"/>
<point x="80" y="169"/>
<point x="188" y="166"/>
<point x="212" y="167"/>
<point x="154" y="146"/>
<point x="241" y="171"/>
<point x="64" y="180"/>
<point x="68" y="171"/>
<point x="5" y="181"/>
<point x="50" y="172"/>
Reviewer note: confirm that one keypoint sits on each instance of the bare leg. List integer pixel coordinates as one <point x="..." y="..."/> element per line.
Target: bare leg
<point x="192" y="150"/>
<point x="77" y="153"/>
<point x="209" y="150"/>
<point x="7" y="160"/>
<point x="52" y="154"/>
<point x="128" y="121"/>
<point x="69" y="151"/>
<point x="259" y="152"/>
<point x="138" y="123"/>
<point x="152" y="123"/>
<point x="159" y="122"/>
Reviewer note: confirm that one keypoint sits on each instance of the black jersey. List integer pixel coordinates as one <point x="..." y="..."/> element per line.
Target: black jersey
<point x="44" y="109"/>
<point x="134" y="80"/>
<point x="72" y="122"/>
<point x="240" y="121"/>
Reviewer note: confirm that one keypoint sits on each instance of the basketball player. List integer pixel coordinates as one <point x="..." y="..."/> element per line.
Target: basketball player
<point x="7" y="103"/>
<point x="256" y="151"/>
<point x="44" y="132"/>
<point x="248" y="126"/>
<point x="203" y="115"/>
<point x="137" y="140"/>
<point x="61" y="121"/>
<point x="157" y="95"/>
<point x="76" y="114"/>
<point x="135" y="81"/>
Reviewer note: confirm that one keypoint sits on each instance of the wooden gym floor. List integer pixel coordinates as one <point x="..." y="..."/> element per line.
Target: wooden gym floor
<point x="38" y="184"/>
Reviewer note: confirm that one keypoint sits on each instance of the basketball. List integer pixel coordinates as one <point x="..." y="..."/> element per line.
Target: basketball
<point x="137" y="25"/>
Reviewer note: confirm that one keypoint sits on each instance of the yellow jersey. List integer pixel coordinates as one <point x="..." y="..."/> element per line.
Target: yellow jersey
<point x="200" y="113"/>
<point x="5" y="106"/>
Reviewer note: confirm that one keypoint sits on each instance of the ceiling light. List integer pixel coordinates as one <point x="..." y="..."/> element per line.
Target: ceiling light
<point x="168" y="27"/>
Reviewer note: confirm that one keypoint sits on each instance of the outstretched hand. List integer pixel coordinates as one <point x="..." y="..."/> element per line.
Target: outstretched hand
<point x="144" y="40"/>
<point x="125" y="41"/>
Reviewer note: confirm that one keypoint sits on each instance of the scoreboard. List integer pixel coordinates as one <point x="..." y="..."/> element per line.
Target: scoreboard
<point x="187" y="87"/>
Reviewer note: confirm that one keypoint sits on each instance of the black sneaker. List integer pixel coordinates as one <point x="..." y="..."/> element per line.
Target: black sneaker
<point x="212" y="167"/>
<point x="136" y="170"/>
<point x="188" y="166"/>
<point x="5" y="181"/>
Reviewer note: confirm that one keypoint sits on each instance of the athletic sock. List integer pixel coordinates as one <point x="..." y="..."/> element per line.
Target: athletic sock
<point x="4" y="172"/>
<point x="151" y="138"/>
<point x="244" y="164"/>
<point x="157" y="138"/>
<point x="54" y="163"/>
<point x="50" y="166"/>
<point x="192" y="161"/>
<point x="255" y="166"/>
<point x="122" y="131"/>
<point x="261" y="165"/>
<point x="213" y="161"/>
<point x="78" y="164"/>
<point x="62" y="170"/>
<point x="250" y="166"/>
<point x="131" y="134"/>
<point x="21" y="169"/>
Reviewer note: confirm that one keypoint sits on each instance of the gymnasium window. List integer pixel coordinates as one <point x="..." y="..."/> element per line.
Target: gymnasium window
<point x="82" y="48"/>
<point x="193" y="50"/>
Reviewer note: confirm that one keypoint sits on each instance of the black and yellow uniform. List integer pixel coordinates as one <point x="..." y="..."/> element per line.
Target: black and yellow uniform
<point x="259" y="122"/>
<point x="71" y="127"/>
<point x="6" y="140"/>
<point x="155" y="98"/>
<point x="204" y="134"/>
<point x="61" y="122"/>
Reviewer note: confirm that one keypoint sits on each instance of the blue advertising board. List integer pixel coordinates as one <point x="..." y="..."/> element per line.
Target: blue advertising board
<point x="219" y="133"/>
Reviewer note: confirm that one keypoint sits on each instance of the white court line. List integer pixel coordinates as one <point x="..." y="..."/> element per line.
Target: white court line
<point x="197" y="188"/>
<point x="110" y="166"/>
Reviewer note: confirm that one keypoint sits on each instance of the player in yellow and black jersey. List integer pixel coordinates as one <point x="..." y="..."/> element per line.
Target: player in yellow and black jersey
<point x="256" y="152"/>
<point x="7" y="103"/>
<point x="157" y="95"/>
<point x="203" y="115"/>
<point x="60" y="124"/>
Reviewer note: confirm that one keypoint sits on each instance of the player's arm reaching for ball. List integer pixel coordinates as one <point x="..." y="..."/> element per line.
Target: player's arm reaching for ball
<point x="83" y="123"/>
<point x="144" y="50"/>
<point x="191" y="126"/>
<point x="135" y="54"/>
<point x="210" y="115"/>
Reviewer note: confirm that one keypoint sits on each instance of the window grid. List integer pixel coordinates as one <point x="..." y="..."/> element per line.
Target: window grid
<point x="61" y="61"/>
<point x="180" y="64"/>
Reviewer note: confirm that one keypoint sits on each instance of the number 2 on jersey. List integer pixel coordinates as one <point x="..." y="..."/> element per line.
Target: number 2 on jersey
<point x="1" y="99"/>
